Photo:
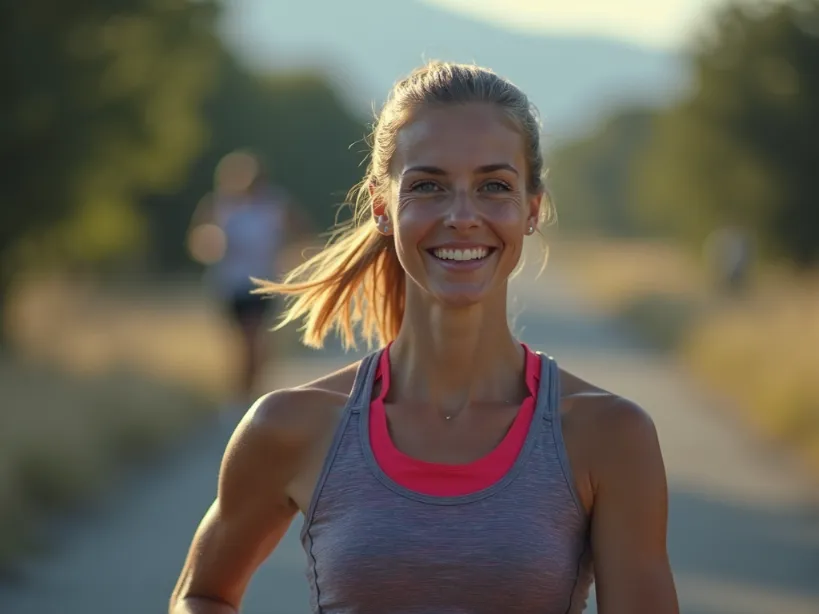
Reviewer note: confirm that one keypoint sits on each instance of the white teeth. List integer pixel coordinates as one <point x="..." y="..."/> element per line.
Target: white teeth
<point x="477" y="253"/>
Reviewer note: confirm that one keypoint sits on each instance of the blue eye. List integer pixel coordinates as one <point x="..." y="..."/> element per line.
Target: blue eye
<point x="496" y="186"/>
<point x="424" y="186"/>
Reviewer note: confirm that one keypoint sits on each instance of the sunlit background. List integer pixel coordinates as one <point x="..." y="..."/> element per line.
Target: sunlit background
<point x="682" y="140"/>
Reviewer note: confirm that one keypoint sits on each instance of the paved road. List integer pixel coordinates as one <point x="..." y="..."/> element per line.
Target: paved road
<point x="743" y="538"/>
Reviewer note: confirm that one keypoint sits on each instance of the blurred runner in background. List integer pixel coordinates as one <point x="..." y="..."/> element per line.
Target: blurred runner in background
<point x="238" y="231"/>
<point x="728" y="254"/>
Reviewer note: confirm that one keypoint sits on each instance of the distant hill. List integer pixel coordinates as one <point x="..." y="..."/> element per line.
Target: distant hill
<point x="367" y="44"/>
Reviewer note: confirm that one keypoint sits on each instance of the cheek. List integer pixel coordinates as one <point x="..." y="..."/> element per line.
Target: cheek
<point x="508" y="215"/>
<point x="415" y="217"/>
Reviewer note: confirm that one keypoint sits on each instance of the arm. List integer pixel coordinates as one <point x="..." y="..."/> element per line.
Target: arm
<point x="252" y="510"/>
<point x="629" y="518"/>
<point x="206" y="241"/>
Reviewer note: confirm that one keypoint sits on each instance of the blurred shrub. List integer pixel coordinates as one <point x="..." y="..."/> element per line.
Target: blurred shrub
<point x="764" y="354"/>
<point x="102" y="102"/>
<point x="172" y="333"/>
<point x="760" y="350"/>
<point x="63" y="438"/>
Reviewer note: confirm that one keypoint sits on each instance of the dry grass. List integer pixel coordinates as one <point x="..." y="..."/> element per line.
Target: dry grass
<point x="761" y="351"/>
<point x="94" y="380"/>
<point x="765" y="355"/>
<point x="174" y="335"/>
<point x="97" y="377"/>
<point x="64" y="437"/>
<point x="613" y="273"/>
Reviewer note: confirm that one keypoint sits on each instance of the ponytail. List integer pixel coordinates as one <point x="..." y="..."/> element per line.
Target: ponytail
<point x="355" y="282"/>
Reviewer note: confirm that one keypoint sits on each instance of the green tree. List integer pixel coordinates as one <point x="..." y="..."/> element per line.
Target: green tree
<point x="742" y="148"/>
<point x="101" y="103"/>
<point x="591" y="178"/>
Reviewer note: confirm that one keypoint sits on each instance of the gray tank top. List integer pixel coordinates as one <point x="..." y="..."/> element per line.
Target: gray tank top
<point x="519" y="546"/>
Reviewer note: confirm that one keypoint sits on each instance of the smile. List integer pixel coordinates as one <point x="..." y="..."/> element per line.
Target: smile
<point x="461" y="255"/>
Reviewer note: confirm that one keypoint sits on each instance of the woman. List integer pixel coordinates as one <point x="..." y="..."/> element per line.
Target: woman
<point x="455" y="470"/>
<point x="238" y="232"/>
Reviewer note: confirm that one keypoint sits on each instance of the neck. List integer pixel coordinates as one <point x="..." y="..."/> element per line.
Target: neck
<point x="451" y="357"/>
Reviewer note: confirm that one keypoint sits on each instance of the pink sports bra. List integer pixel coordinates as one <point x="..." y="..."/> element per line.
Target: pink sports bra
<point x="437" y="479"/>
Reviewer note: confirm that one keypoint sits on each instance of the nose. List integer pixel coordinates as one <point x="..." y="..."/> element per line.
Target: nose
<point x="462" y="213"/>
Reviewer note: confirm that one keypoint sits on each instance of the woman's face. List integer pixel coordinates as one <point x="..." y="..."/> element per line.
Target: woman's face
<point x="459" y="208"/>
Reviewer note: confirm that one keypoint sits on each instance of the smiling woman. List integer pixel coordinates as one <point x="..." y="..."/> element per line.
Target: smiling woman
<point x="453" y="469"/>
<point x="446" y="131"/>
<point x="463" y="203"/>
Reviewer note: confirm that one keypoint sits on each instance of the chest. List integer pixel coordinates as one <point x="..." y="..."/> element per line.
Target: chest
<point x="250" y="224"/>
<point x="488" y="555"/>
<point x="433" y="438"/>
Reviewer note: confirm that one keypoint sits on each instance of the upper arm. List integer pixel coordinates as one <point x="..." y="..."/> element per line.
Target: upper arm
<point x="630" y="515"/>
<point x="204" y="212"/>
<point x="252" y="510"/>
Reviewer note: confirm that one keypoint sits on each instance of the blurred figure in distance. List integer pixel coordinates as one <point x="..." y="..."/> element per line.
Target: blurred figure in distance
<point x="238" y="231"/>
<point x="729" y="256"/>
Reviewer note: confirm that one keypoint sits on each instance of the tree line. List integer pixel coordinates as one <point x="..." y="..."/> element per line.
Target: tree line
<point x="741" y="148"/>
<point x="114" y="115"/>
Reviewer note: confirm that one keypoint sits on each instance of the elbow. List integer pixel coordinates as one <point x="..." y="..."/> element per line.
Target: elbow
<point x="182" y="602"/>
<point x="177" y="604"/>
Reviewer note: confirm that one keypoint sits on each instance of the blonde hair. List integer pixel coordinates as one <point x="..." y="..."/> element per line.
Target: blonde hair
<point x="356" y="281"/>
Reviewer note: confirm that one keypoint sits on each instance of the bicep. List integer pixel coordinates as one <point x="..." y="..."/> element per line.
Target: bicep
<point x="629" y="521"/>
<point x="205" y="211"/>
<point x="244" y="524"/>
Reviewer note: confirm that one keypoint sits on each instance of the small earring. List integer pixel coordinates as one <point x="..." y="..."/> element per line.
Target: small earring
<point x="384" y="223"/>
<point x="531" y="229"/>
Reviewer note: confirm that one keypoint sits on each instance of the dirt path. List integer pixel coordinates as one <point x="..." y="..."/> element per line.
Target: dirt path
<point x="743" y="539"/>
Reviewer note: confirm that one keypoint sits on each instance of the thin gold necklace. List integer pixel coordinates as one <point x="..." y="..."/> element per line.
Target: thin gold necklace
<point x="449" y="416"/>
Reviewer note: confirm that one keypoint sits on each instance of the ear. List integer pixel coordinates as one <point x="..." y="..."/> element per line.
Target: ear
<point x="379" y="211"/>
<point x="535" y="203"/>
<point x="379" y="207"/>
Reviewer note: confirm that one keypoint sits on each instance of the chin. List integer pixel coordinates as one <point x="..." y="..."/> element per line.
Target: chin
<point x="460" y="299"/>
<point x="460" y="302"/>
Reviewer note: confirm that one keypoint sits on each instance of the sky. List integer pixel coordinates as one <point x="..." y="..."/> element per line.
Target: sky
<point x="662" y="24"/>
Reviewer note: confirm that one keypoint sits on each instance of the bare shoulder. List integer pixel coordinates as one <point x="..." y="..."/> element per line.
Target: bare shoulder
<point x="294" y="416"/>
<point x="607" y="436"/>
<point x="603" y="414"/>
<point x="285" y="435"/>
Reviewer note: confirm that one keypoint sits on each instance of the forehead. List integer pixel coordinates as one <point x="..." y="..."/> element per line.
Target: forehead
<point x="459" y="136"/>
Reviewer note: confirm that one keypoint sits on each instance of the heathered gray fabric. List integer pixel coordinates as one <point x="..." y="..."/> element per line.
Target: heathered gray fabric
<point x="519" y="546"/>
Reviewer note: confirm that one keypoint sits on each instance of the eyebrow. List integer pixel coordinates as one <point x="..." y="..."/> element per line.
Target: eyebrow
<point x="487" y="168"/>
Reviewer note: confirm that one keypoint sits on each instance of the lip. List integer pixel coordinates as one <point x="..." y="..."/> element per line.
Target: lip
<point x="461" y="246"/>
